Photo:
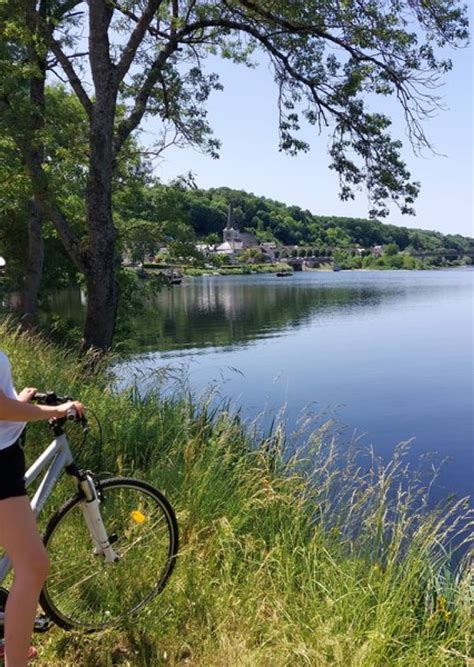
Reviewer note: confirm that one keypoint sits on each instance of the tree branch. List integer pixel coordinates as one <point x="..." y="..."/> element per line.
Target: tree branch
<point x="136" y="39"/>
<point x="127" y="126"/>
<point x="314" y="30"/>
<point x="47" y="33"/>
<point x="70" y="72"/>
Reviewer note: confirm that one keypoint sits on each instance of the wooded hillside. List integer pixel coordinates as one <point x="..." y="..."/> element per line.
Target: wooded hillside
<point x="291" y="225"/>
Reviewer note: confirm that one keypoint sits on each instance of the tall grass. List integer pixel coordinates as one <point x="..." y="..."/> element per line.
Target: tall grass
<point x="321" y="559"/>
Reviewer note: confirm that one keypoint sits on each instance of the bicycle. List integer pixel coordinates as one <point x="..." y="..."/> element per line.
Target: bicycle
<point x="112" y="546"/>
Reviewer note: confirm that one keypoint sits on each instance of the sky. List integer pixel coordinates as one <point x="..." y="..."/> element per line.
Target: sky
<point x="244" y="117"/>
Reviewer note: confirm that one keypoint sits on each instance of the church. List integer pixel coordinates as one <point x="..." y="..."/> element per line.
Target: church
<point x="234" y="240"/>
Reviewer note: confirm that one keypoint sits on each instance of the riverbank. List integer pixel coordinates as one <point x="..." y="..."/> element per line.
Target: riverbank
<point x="398" y="262"/>
<point x="277" y="566"/>
<point x="238" y="270"/>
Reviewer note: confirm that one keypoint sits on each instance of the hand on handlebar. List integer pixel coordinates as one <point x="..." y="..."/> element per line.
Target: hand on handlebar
<point x="65" y="407"/>
<point x="71" y="410"/>
<point x="27" y="394"/>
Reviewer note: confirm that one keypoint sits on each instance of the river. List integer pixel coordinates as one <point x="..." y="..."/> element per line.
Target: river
<point x="387" y="354"/>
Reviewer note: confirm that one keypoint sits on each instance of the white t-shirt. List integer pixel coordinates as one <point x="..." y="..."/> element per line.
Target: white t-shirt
<point x="9" y="431"/>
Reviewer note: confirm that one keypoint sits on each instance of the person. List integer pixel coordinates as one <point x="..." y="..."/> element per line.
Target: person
<point x="19" y="536"/>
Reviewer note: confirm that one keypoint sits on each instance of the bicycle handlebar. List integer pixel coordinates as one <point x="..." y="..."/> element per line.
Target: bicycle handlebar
<point x="50" y="398"/>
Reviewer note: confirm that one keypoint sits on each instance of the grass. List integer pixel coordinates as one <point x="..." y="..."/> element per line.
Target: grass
<point x="239" y="269"/>
<point x="315" y="560"/>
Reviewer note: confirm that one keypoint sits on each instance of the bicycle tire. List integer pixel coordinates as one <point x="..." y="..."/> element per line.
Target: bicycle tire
<point x="77" y="614"/>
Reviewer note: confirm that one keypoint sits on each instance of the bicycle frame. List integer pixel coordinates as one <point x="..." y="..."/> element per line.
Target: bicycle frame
<point x="58" y="457"/>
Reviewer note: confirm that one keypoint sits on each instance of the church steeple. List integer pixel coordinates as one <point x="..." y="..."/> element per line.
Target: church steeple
<point x="231" y="231"/>
<point x="230" y="217"/>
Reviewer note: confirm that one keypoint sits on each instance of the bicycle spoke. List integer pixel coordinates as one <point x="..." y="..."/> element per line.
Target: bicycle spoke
<point x="85" y="590"/>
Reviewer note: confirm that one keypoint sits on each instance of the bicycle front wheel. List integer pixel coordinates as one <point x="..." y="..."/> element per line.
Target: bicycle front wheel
<point x="85" y="592"/>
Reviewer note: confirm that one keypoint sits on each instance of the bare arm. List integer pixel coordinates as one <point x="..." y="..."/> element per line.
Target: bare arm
<point x="23" y="411"/>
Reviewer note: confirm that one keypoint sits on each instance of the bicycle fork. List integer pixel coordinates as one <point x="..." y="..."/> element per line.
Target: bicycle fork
<point x="93" y="518"/>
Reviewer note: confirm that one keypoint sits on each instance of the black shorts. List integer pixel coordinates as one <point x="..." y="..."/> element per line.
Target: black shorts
<point x="12" y="472"/>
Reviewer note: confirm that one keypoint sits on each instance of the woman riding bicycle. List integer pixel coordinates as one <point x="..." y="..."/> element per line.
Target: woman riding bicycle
<point x="19" y="535"/>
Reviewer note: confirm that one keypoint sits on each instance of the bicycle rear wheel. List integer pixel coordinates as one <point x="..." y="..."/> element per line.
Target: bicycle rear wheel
<point x="82" y="590"/>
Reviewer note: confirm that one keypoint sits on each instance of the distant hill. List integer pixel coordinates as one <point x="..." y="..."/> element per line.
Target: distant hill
<point x="292" y="225"/>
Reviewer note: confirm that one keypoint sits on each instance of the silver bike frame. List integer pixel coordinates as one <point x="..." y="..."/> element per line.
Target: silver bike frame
<point x="58" y="456"/>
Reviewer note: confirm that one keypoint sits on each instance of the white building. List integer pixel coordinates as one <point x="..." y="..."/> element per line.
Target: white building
<point x="233" y="239"/>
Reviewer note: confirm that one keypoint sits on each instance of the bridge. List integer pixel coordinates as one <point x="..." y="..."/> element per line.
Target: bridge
<point x="312" y="262"/>
<point x="449" y="254"/>
<point x="315" y="261"/>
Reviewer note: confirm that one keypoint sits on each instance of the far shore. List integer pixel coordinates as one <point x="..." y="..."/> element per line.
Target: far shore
<point x="251" y="270"/>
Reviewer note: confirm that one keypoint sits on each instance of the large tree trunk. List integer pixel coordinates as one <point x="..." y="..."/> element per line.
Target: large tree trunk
<point x="34" y="267"/>
<point x="102" y="302"/>
<point x="35" y="259"/>
<point x="101" y="281"/>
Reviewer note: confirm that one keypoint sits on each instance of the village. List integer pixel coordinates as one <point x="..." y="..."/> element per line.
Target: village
<point x="242" y="252"/>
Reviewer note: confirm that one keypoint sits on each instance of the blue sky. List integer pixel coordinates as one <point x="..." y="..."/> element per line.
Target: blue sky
<point x="244" y="118"/>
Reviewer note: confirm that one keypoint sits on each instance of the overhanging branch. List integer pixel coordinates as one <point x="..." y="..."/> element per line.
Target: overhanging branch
<point x="70" y="72"/>
<point x="46" y="31"/>
<point x="136" y="38"/>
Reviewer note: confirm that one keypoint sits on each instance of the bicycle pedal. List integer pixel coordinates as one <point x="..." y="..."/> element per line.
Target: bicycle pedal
<point x="42" y="624"/>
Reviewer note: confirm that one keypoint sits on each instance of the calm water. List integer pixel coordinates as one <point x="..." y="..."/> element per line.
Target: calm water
<point x="389" y="354"/>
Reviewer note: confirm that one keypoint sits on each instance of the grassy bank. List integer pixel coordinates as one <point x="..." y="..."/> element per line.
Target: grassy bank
<point x="239" y="269"/>
<point x="338" y="565"/>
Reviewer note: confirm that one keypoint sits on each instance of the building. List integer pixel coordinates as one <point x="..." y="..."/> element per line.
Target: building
<point x="270" y="250"/>
<point x="233" y="240"/>
<point x="376" y="251"/>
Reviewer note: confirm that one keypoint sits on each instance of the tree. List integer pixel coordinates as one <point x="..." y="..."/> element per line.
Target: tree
<point x="253" y="256"/>
<point x="147" y="56"/>
<point x="148" y="215"/>
<point x="212" y="239"/>
<point x="14" y="196"/>
<point x="337" y="237"/>
<point x="29" y="86"/>
<point x="391" y="249"/>
<point x="29" y="240"/>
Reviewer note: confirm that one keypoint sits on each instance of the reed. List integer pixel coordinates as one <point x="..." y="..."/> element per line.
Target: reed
<point x="325" y="557"/>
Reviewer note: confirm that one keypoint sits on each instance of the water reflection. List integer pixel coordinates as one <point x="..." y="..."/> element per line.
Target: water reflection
<point x="228" y="312"/>
<point x="221" y="314"/>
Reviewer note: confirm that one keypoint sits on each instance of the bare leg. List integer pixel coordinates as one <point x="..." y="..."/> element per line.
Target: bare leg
<point x="20" y="538"/>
